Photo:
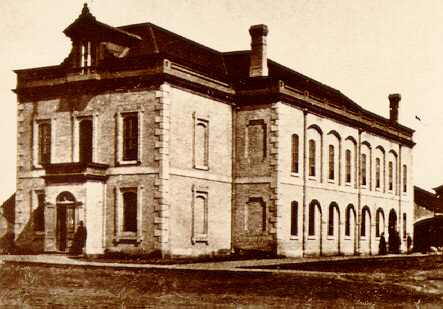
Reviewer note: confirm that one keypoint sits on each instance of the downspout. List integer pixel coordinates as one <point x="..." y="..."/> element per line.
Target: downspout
<point x="400" y="214"/>
<point x="358" y="181"/>
<point x="233" y="158"/>
<point x="305" y="112"/>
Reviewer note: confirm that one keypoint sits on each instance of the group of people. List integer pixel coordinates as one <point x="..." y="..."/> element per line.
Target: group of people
<point x="394" y="243"/>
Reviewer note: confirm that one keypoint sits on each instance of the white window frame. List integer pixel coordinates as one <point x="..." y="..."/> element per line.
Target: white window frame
<point x="119" y="213"/>
<point x="197" y="192"/>
<point x="202" y="120"/>
<point x="120" y="116"/>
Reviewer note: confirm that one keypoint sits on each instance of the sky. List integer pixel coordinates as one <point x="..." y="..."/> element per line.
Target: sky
<point x="366" y="49"/>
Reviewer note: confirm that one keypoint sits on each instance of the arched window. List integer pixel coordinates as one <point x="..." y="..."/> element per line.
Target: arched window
<point x="311" y="226"/>
<point x="379" y="222"/>
<point x="129" y="211"/>
<point x="331" y="162"/>
<point x="348" y="165"/>
<point x="311" y="157"/>
<point x="349" y="218"/>
<point x="363" y="169"/>
<point x="390" y="176"/>
<point x="331" y="220"/>
<point x="294" y="218"/>
<point x="295" y="154"/>
<point x="405" y="178"/>
<point x="377" y="173"/>
<point x="365" y="224"/>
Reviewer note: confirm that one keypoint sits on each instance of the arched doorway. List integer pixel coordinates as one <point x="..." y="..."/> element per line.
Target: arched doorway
<point x="67" y="219"/>
<point x="365" y="230"/>
<point x="334" y="227"/>
<point x="350" y="241"/>
<point x="86" y="141"/>
<point x="393" y="238"/>
<point x="315" y="229"/>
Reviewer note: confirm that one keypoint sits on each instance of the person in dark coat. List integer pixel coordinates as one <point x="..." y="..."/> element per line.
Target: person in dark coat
<point x="382" y="245"/>
<point x="79" y="241"/>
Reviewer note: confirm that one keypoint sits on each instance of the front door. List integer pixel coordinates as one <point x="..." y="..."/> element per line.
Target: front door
<point x="61" y="228"/>
<point x="65" y="226"/>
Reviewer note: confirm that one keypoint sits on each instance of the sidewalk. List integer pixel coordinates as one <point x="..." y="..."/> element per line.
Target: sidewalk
<point x="253" y="265"/>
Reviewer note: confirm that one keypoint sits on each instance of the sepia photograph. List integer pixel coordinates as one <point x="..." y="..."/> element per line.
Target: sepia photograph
<point x="221" y="154"/>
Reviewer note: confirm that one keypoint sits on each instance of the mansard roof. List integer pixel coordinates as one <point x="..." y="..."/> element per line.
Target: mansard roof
<point x="148" y="42"/>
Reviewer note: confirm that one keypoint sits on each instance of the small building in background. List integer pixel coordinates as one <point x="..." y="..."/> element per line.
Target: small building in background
<point x="428" y="224"/>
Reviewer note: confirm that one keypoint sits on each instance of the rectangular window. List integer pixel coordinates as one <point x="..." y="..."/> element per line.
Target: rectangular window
<point x="294" y="218"/>
<point x="39" y="213"/>
<point x="295" y="154"/>
<point x="390" y="176"/>
<point x="377" y="173"/>
<point x="201" y="144"/>
<point x="348" y="166"/>
<point x="44" y="143"/>
<point x="256" y="138"/>
<point x="130" y="211"/>
<point x="363" y="169"/>
<point x="130" y="137"/>
<point x="255" y="216"/>
<point x="405" y="178"/>
<point x="331" y="162"/>
<point x="311" y="157"/>
<point x="200" y="214"/>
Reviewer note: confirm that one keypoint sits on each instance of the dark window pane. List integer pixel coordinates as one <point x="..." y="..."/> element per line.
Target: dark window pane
<point x="44" y="139"/>
<point x="311" y="227"/>
<point x="130" y="212"/>
<point x="130" y="137"/>
<point x="295" y="159"/>
<point x="294" y="218"/>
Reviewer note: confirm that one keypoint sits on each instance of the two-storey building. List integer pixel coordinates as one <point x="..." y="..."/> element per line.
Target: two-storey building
<point x="160" y="144"/>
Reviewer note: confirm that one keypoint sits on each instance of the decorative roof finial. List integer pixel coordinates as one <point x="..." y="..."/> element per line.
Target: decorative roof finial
<point x="85" y="12"/>
<point x="85" y="9"/>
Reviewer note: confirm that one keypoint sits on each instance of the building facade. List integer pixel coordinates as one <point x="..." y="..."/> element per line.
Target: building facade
<point x="160" y="144"/>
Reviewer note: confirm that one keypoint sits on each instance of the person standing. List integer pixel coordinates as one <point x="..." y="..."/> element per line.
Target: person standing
<point x="382" y="245"/>
<point x="79" y="241"/>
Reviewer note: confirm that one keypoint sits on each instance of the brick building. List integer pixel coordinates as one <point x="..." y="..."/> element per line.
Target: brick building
<point x="160" y="144"/>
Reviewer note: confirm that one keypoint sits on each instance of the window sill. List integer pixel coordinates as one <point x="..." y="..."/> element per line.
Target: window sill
<point x="332" y="181"/>
<point x="348" y="184"/>
<point x="39" y="233"/>
<point x="293" y="237"/>
<point x="314" y="178"/>
<point x="312" y="237"/>
<point x="347" y="238"/>
<point x="295" y="174"/>
<point x="126" y="163"/>
<point x="201" y="167"/>
<point x="363" y="238"/>
<point x="330" y="237"/>
<point x="128" y="237"/>
<point x="200" y="239"/>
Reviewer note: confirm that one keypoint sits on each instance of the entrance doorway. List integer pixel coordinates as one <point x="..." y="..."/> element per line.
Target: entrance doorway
<point x="393" y="237"/>
<point x="67" y="219"/>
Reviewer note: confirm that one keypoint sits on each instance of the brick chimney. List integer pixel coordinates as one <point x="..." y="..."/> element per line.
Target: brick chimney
<point x="259" y="59"/>
<point x="394" y="100"/>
